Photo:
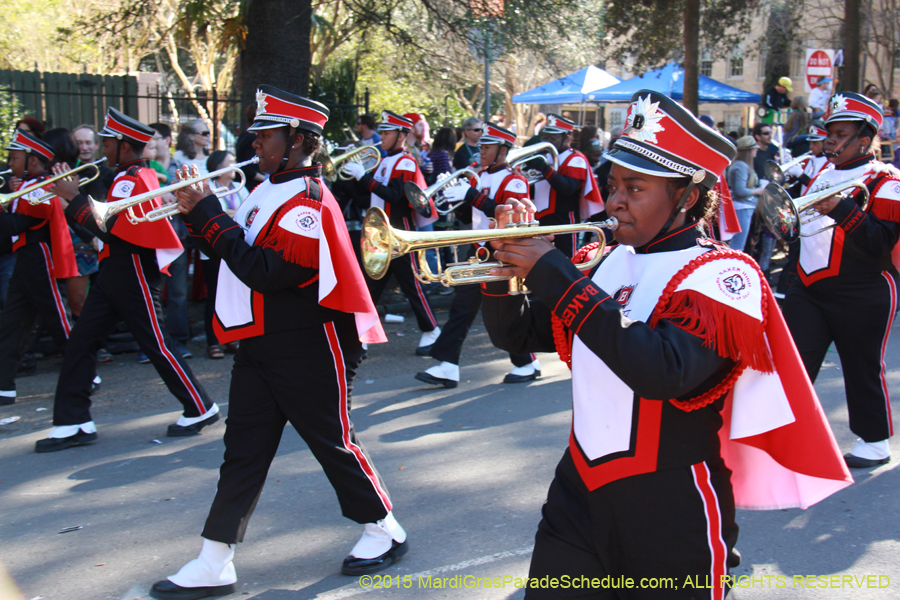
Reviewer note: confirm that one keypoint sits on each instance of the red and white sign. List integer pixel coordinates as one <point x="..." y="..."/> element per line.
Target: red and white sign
<point x="819" y="63"/>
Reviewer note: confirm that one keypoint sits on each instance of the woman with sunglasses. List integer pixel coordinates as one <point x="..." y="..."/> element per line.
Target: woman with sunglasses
<point x="192" y="145"/>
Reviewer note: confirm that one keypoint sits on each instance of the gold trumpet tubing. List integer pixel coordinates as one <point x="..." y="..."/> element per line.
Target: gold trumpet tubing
<point x="7" y="198"/>
<point x="363" y="154"/>
<point x="520" y="156"/>
<point x="103" y="211"/>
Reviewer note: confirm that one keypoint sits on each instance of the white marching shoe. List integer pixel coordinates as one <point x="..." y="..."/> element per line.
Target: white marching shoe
<point x="210" y="574"/>
<point x="445" y="374"/>
<point x="529" y="372"/>
<point x="868" y="454"/>
<point x="381" y="544"/>
<point x="427" y="341"/>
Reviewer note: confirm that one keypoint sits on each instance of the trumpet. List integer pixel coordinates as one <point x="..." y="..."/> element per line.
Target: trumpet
<point x="518" y="157"/>
<point x="381" y="243"/>
<point x="2" y="178"/>
<point x="784" y="215"/>
<point x="776" y="172"/>
<point x="367" y="156"/>
<point x="104" y="210"/>
<point x="419" y="197"/>
<point x="6" y="199"/>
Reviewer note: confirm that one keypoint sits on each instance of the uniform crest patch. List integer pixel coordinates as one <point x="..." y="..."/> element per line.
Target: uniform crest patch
<point x="250" y="216"/>
<point x="123" y="189"/>
<point x="734" y="283"/>
<point x="623" y="294"/>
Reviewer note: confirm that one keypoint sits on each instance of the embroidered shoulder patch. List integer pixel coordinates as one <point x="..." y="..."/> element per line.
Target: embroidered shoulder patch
<point x="406" y="164"/>
<point x="889" y="190"/>
<point x="577" y="163"/>
<point x="302" y="220"/>
<point x="37" y="194"/>
<point x="729" y="281"/>
<point x="517" y="186"/>
<point x="122" y="189"/>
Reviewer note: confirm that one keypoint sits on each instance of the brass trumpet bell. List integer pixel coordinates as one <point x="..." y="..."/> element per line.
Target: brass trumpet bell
<point x="776" y="173"/>
<point x="368" y="156"/>
<point x="783" y="215"/>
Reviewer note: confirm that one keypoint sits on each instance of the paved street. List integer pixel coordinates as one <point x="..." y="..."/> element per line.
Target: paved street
<point x="467" y="469"/>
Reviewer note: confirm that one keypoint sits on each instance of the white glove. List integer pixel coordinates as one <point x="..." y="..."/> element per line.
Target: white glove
<point x="355" y="169"/>
<point x="456" y="193"/>
<point x="794" y="172"/>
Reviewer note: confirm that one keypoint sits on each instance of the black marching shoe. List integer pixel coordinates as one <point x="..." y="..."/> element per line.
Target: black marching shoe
<point x="424" y="350"/>
<point x="513" y="378"/>
<point x="55" y="444"/>
<point x="429" y="378"/>
<point x="364" y="566"/>
<point x="186" y="430"/>
<point x="167" y="589"/>
<point x="6" y="400"/>
<point x="856" y="462"/>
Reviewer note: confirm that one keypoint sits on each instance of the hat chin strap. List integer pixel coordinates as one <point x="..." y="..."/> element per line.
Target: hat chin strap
<point x="696" y="179"/>
<point x="287" y="149"/>
<point x="843" y="147"/>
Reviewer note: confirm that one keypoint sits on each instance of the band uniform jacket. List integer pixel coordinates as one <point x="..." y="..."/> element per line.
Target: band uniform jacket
<point x="679" y="355"/>
<point x="386" y="186"/>
<point x="860" y="245"/>
<point x="287" y="263"/>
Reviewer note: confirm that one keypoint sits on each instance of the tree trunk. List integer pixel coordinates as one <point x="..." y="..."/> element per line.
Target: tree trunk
<point x="691" y="55"/>
<point x="277" y="50"/>
<point x="852" y="24"/>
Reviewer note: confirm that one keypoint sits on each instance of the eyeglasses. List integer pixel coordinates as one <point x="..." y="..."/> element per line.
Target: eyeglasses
<point x="765" y="133"/>
<point x="203" y="133"/>
<point x="479" y="130"/>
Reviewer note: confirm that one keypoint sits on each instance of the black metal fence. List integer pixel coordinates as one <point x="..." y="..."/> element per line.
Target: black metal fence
<point x="70" y="99"/>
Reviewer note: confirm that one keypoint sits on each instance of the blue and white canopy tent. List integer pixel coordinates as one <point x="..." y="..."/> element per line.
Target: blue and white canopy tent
<point x="570" y="89"/>
<point x="669" y="80"/>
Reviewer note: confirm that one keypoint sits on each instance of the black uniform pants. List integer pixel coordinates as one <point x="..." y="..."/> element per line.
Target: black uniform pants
<point x="404" y="267"/>
<point x="32" y="292"/>
<point x="463" y="310"/>
<point x="657" y="529"/>
<point x="127" y="289"/>
<point x="302" y="377"/>
<point x="858" y="319"/>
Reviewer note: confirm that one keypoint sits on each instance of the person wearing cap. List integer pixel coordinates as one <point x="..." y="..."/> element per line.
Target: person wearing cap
<point x="385" y="188"/>
<point x="818" y="97"/>
<point x="570" y="193"/>
<point x="776" y="98"/>
<point x="670" y="340"/>
<point x="291" y="290"/>
<point x="127" y="288"/>
<point x="807" y="170"/>
<point x="496" y="184"/>
<point x="44" y="253"/>
<point x="744" y="187"/>
<point x="845" y="291"/>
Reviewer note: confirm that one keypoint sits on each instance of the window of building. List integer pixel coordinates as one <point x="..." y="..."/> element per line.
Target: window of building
<point x="616" y="117"/>
<point x="733" y="121"/>
<point x="706" y="62"/>
<point x="736" y="63"/>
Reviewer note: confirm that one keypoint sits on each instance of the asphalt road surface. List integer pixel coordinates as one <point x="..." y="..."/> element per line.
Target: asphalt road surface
<point x="468" y="470"/>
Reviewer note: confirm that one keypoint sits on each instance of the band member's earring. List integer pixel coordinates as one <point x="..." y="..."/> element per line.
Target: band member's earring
<point x="683" y="210"/>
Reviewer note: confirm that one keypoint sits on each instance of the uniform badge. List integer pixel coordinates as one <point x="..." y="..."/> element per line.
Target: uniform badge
<point x="734" y="283"/>
<point x="260" y="102"/>
<point x="623" y="294"/>
<point x="250" y="216"/>
<point x="643" y="121"/>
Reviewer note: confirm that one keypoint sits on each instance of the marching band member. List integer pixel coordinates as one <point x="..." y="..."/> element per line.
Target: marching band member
<point x="385" y="185"/>
<point x="496" y="185"/>
<point x="127" y="289"/>
<point x="847" y="270"/>
<point x="806" y="171"/>
<point x="43" y="254"/>
<point x="688" y="394"/>
<point x="569" y="194"/>
<point x="291" y="290"/>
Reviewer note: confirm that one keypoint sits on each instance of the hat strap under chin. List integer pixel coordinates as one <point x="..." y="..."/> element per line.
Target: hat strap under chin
<point x="679" y="207"/>
<point x="287" y="149"/>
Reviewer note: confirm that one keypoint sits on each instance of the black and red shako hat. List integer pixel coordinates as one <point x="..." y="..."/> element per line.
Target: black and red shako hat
<point x="122" y="127"/>
<point x="22" y="140"/>
<point x="497" y="135"/>
<point x="816" y="133"/>
<point x="391" y="121"/>
<point x="850" y="106"/>
<point x="558" y="124"/>
<point x="277" y="108"/>
<point x="662" y="138"/>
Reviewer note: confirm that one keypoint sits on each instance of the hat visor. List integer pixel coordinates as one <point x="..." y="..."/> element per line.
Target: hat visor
<point x="853" y="116"/>
<point x="555" y="130"/>
<point x="260" y="124"/>
<point x="107" y="132"/>
<point x="385" y="127"/>
<point x="639" y="163"/>
<point x="815" y="138"/>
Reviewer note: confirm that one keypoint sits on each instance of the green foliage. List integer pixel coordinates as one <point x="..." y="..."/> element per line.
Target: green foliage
<point x="651" y="32"/>
<point x="781" y="36"/>
<point x="336" y="89"/>
<point x="10" y="113"/>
